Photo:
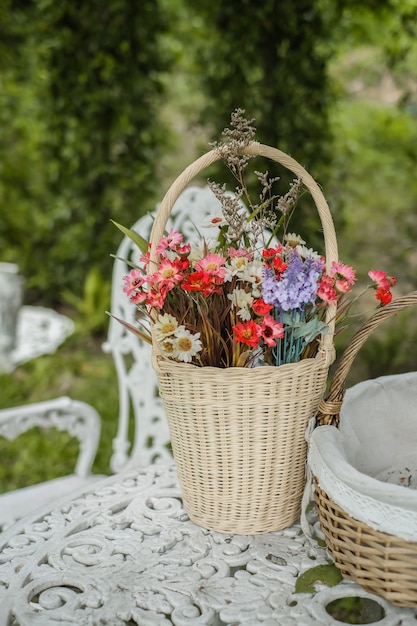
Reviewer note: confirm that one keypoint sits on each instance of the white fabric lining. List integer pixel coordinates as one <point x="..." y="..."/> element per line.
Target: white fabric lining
<point x="376" y="443"/>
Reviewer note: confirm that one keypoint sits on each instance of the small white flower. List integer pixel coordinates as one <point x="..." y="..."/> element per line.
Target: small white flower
<point x="307" y="253"/>
<point x="241" y="300"/>
<point x="187" y="346"/>
<point x="293" y="240"/>
<point x="199" y="251"/>
<point x="237" y="267"/>
<point x="212" y="221"/>
<point x="253" y="275"/>
<point x="166" y="325"/>
<point x="244" y="314"/>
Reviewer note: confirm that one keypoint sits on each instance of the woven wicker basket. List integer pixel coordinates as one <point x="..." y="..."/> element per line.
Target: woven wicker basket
<point x="381" y="563"/>
<point x="238" y="434"/>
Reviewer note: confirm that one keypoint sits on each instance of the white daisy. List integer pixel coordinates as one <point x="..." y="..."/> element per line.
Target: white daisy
<point x="166" y="325"/>
<point x="169" y="347"/>
<point x="187" y="346"/>
<point x="236" y="267"/>
<point x="293" y="240"/>
<point x="307" y="253"/>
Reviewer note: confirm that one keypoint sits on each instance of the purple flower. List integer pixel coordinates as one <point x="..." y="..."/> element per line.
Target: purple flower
<point x="297" y="286"/>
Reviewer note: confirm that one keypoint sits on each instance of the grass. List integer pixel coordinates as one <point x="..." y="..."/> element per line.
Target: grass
<point x="78" y="369"/>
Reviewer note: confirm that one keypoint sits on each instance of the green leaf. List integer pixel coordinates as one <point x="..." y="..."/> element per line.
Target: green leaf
<point x="293" y="319"/>
<point x="310" y="330"/>
<point x="323" y="574"/>
<point x="141" y="243"/>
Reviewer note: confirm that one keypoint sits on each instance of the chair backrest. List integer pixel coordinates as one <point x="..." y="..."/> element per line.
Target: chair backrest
<point x="138" y="387"/>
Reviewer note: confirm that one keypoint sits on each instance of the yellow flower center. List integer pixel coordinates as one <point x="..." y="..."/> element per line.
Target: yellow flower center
<point x="185" y="344"/>
<point x="168" y="273"/>
<point x="211" y="266"/>
<point x="168" y="347"/>
<point x="167" y="328"/>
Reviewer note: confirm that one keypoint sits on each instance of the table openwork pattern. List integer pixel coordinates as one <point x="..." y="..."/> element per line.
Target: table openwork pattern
<point x="125" y="553"/>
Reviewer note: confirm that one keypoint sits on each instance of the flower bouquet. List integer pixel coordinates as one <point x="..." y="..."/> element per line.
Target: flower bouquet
<point x="242" y="331"/>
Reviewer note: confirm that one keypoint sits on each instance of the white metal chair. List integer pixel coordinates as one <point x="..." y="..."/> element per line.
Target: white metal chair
<point x="138" y="390"/>
<point x="77" y="418"/>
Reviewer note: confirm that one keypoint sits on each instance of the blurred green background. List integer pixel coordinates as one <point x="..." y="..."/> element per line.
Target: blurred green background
<point x="103" y="104"/>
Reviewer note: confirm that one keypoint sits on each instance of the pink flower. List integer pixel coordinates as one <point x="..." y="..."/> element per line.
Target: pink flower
<point x="168" y="274"/>
<point x="144" y="258"/>
<point x="170" y="241"/>
<point x="326" y="291"/>
<point x="156" y="299"/>
<point x="271" y="330"/>
<point x="184" y="251"/>
<point x="344" y="274"/>
<point x="139" y="297"/>
<point x="382" y="280"/>
<point x="343" y="286"/>
<point x="240" y="252"/>
<point x="212" y="264"/>
<point x="133" y="281"/>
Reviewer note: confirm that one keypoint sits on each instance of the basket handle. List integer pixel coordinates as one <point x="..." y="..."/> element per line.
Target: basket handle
<point x="329" y="409"/>
<point x="255" y="149"/>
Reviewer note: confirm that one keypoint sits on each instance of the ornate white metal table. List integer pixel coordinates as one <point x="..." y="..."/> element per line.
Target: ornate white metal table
<point x="124" y="553"/>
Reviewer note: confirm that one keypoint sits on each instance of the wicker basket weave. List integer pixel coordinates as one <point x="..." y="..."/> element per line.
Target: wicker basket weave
<point x="381" y="563"/>
<point x="238" y="434"/>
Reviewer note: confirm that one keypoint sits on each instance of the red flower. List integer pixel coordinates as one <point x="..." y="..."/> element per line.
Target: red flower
<point x="383" y="296"/>
<point x="279" y="266"/>
<point x="248" y="333"/>
<point x="182" y="264"/>
<point x="271" y="253"/>
<point x="383" y="285"/>
<point x="201" y="281"/>
<point x="260" y="307"/>
<point x="197" y="281"/>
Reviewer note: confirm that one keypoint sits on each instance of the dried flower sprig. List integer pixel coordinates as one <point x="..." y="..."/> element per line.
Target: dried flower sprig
<point x="272" y="211"/>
